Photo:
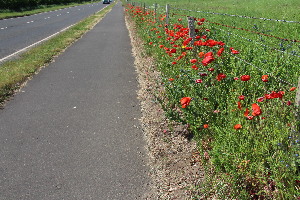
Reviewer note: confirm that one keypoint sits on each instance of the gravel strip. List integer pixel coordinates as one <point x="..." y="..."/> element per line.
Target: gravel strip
<point x="173" y="159"/>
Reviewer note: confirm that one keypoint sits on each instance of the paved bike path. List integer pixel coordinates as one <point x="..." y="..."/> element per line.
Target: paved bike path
<point x="73" y="132"/>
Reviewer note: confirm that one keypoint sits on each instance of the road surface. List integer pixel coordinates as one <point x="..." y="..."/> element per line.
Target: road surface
<point x="18" y="33"/>
<point x="73" y="132"/>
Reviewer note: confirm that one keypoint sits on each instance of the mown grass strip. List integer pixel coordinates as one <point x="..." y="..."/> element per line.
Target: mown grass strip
<point x="14" y="73"/>
<point x="4" y="14"/>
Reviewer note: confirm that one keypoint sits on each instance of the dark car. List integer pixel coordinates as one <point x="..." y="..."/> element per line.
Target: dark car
<point x="106" y="1"/>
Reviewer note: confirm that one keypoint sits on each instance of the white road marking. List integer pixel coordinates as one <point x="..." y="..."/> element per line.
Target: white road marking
<point x="34" y="44"/>
<point x="45" y="39"/>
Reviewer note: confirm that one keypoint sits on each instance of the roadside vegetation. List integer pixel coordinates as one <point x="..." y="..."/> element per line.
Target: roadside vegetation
<point x="14" y="73"/>
<point x="234" y="85"/>
<point x="9" y="9"/>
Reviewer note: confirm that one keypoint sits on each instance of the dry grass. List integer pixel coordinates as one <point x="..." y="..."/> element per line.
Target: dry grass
<point x="173" y="159"/>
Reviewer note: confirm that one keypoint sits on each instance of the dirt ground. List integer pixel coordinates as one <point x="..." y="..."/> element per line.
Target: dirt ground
<point x="173" y="159"/>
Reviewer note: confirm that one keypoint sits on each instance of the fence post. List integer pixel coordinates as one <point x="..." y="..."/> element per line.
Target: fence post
<point x="155" y="8"/>
<point x="191" y="25"/>
<point x="192" y="32"/>
<point x="144" y="7"/>
<point x="167" y="14"/>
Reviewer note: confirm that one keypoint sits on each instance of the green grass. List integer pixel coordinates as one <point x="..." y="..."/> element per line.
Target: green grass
<point x="14" y="73"/>
<point x="260" y="160"/>
<point x="257" y="45"/>
<point x="278" y="9"/>
<point x="42" y="8"/>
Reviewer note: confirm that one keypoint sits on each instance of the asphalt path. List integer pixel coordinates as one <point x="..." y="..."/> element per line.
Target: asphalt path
<point x="73" y="132"/>
<point x="18" y="33"/>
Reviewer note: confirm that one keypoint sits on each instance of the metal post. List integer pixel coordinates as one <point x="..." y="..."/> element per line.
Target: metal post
<point x="191" y="25"/>
<point x="155" y="8"/>
<point x="167" y="14"/>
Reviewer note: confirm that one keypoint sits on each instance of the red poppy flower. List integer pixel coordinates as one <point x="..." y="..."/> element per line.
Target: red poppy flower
<point x="173" y="50"/>
<point x="293" y="88"/>
<point x="174" y="63"/>
<point x="233" y="51"/>
<point x="246" y="113"/>
<point x="198" y="81"/>
<point x="193" y="60"/>
<point x="256" y="110"/>
<point x="237" y="126"/>
<point x="249" y="117"/>
<point x="185" y="101"/>
<point x="219" y="53"/>
<point x="207" y="60"/>
<point x="211" y="69"/>
<point x="179" y="57"/>
<point x="260" y="99"/>
<point x="239" y="105"/>
<point x="242" y="97"/>
<point x="209" y="54"/>
<point x="245" y="78"/>
<point x="194" y="67"/>
<point x="264" y="78"/>
<point x="205" y="126"/>
<point x="221" y="76"/>
<point x="274" y="95"/>
<point x="171" y="79"/>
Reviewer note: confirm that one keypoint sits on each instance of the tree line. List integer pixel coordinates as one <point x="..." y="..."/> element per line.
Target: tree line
<point x="17" y="5"/>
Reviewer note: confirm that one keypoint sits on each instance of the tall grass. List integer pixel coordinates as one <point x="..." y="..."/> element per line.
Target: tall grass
<point x="236" y="95"/>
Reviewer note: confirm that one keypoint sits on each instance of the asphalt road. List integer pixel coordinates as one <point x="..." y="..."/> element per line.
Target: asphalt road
<point x="18" y="33"/>
<point x="73" y="132"/>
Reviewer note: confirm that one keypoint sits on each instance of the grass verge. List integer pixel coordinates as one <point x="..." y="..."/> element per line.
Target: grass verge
<point x="4" y="14"/>
<point x="241" y="115"/>
<point x="14" y="73"/>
